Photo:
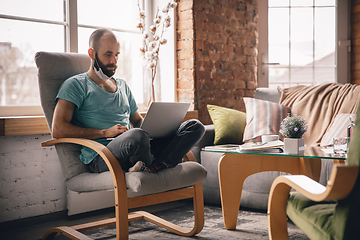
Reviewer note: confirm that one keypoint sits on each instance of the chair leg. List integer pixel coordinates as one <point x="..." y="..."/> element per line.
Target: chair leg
<point x="66" y="231"/>
<point x="277" y="218"/>
<point x="122" y="220"/>
<point x="199" y="218"/>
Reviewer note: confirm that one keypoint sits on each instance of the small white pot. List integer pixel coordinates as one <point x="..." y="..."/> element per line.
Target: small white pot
<point x="294" y="145"/>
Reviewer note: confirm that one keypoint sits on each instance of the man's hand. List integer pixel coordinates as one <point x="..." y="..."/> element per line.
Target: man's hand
<point x="115" y="131"/>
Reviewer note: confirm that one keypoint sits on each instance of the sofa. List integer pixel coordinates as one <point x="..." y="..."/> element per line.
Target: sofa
<point x="324" y="107"/>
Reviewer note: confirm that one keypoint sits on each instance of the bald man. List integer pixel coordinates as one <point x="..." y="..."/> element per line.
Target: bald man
<point x="97" y="106"/>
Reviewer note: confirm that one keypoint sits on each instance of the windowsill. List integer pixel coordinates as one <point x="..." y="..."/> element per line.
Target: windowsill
<point x="30" y="125"/>
<point x="23" y="125"/>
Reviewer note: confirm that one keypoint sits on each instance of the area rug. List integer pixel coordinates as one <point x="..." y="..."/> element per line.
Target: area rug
<point x="251" y="225"/>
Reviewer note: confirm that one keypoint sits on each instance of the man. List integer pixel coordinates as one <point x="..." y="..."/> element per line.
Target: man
<point x="97" y="106"/>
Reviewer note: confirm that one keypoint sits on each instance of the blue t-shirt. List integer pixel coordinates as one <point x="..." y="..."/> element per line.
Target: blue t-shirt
<point x="97" y="108"/>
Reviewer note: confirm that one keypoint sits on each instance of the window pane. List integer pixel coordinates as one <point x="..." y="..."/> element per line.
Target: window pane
<point x="325" y="36"/>
<point x="278" y="75"/>
<point x="301" y="36"/>
<point x="40" y="9"/>
<point x="279" y="35"/>
<point x="19" y="42"/>
<point x="301" y="3"/>
<point x="325" y="3"/>
<point x="121" y="14"/>
<point x="279" y="3"/>
<point x="312" y="43"/>
<point x="325" y="75"/>
<point x="301" y="76"/>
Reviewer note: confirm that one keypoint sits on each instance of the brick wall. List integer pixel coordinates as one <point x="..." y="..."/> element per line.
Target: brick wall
<point x="185" y="52"/>
<point x="31" y="181"/>
<point x="216" y="53"/>
<point x="355" y="40"/>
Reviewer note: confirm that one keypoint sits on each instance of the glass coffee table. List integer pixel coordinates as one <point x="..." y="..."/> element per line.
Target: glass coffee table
<point x="235" y="167"/>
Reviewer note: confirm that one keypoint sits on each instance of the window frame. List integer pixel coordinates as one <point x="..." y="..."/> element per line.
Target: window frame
<point x="342" y="43"/>
<point x="71" y="26"/>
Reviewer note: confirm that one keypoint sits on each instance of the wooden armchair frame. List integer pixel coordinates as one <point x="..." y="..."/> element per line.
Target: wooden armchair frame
<point x="122" y="203"/>
<point x="335" y="189"/>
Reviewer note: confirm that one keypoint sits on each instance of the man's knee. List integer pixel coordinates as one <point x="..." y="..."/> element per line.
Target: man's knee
<point x="139" y="136"/>
<point x="192" y="125"/>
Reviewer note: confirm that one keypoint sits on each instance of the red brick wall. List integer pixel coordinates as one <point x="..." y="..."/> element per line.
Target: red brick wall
<point x="185" y="52"/>
<point x="216" y="53"/>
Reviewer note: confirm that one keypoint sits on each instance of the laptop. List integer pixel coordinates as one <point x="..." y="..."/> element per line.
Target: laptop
<point x="164" y="118"/>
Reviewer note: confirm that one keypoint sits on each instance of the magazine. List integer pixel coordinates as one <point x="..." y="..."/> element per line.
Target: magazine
<point x="273" y="146"/>
<point x="224" y="147"/>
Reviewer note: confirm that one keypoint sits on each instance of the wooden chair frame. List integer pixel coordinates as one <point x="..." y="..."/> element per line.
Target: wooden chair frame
<point x="122" y="203"/>
<point x="340" y="184"/>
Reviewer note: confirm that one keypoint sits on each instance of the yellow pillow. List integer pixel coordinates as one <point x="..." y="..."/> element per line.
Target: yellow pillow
<point x="229" y="124"/>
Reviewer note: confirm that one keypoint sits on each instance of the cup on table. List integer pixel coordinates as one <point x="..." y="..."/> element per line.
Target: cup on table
<point x="340" y="145"/>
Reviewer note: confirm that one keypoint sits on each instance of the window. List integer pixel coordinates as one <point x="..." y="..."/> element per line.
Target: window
<point x="303" y="42"/>
<point x="63" y="26"/>
<point x="23" y="33"/>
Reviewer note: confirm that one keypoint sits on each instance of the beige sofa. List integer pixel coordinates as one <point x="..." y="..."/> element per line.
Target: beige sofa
<point x="334" y="98"/>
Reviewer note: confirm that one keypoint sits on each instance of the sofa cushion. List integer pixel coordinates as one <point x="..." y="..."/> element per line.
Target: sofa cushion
<point x="338" y="128"/>
<point x="263" y="118"/>
<point x="268" y="94"/>
<point x="182" y="175"/>
<point x="229" y="124"/>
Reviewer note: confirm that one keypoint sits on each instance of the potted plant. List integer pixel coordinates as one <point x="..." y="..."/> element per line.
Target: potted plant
<point x="293" y="129"/>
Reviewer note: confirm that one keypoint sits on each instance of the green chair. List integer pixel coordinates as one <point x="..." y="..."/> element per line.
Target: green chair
<point x="330" y="212"/>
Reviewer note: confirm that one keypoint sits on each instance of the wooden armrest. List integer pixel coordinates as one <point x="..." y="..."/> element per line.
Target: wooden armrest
<point x="102" y="150"/>
<point x="340" y="184"/>
<point x="190" y="157"/>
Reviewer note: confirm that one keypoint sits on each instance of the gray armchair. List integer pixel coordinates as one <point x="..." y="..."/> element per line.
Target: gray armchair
<point x="144" y="188"/>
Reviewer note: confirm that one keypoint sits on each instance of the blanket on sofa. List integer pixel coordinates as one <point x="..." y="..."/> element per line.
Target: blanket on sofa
<point x="319" y="105"/>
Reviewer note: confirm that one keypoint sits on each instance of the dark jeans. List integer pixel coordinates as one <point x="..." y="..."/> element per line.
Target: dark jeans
<point x="135" y="145"/>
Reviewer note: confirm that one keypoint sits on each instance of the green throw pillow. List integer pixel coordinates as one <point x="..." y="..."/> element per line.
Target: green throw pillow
<point x="229" y="124"/>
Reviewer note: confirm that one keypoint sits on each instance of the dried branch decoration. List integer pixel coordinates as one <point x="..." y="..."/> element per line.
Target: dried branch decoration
<point x="153" y="39"/>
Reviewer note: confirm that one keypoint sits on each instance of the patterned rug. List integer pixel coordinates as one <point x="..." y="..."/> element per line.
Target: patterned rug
<point x="251" y="225"/>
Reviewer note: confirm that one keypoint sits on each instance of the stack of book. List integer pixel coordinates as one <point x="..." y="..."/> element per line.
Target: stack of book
<point x="273" y="146"/>
<point x="225" y="147"/>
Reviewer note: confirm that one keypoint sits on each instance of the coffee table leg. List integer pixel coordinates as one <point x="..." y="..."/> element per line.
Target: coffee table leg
<point x="235" y="168"/>
<point x="231" y="182"/>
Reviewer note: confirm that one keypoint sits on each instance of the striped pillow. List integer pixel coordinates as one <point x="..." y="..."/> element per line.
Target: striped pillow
<point x="263" y="118"/>
<point x="338" y="128"/>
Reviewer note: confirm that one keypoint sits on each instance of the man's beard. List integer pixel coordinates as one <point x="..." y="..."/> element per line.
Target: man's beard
<point x="103" y="67"/>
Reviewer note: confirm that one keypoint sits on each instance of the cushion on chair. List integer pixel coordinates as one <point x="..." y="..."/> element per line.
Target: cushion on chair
<point x="314" y="218"/>
<point x="183" y="175"/>
<point x="53" y="70"/>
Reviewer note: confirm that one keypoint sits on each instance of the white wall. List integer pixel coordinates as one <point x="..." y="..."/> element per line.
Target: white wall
<point x="31" y="181"/>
